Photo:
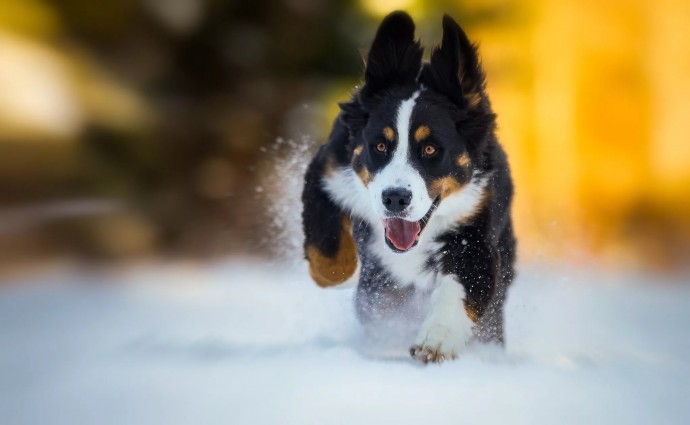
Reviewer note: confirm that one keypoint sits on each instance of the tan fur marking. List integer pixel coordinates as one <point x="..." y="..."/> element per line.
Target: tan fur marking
<point x="358" y="150"/>
<point x="473" y="99"/>
<point x="327" y="271"/>
<point x="471" y="313"/>
<point x="463" y="160"/>
<point x="389" y="134"/>
<point x="329" y="166"/>
<point x="445" y="186"/>
<point x="364" y="175"/>
<point x="422" y="133"/>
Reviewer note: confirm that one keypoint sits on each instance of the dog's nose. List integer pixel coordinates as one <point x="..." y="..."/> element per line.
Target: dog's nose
<point x="396" y="199"/>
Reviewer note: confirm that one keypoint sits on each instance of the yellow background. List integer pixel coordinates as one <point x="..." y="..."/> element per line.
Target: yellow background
<point x="592" y="97"/>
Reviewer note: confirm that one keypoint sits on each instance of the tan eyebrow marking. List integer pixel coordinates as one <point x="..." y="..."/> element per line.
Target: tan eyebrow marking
<point x="358" y="150"/>
<point x="389" y="134"/>
<point x="463" y="160"/>
<point x="421" y="133"/>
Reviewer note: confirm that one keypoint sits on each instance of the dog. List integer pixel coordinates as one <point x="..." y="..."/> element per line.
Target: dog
<point x="411" y="194"/>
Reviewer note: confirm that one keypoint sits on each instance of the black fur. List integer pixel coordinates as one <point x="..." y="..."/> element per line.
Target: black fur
<point x="480" y="251"/>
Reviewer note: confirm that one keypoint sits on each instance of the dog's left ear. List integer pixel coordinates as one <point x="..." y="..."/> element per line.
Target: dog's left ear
<point x="454" y="68"/>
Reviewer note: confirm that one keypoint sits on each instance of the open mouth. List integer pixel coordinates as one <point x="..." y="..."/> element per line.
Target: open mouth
<point x="401" y="235"/>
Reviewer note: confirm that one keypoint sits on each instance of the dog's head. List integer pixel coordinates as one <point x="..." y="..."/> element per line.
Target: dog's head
<point x="417" y="129"/>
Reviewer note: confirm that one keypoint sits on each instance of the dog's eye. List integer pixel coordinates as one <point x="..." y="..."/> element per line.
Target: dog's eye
<point x="381" y="147"/>
<point x="430" y="150"/>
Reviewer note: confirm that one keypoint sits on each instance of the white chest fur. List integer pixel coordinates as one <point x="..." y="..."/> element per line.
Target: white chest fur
<point x="409" y="268"/>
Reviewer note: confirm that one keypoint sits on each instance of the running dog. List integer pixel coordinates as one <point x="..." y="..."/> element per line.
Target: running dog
<point x="411" y="194"/>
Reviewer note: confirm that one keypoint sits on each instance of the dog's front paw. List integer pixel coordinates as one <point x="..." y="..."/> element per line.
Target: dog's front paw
<point x="438" y="343"/>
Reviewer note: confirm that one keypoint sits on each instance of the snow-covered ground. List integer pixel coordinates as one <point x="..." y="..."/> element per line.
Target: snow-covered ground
<point x="247" y="342"/>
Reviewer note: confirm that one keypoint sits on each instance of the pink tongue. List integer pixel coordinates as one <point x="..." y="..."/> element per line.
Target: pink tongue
<point x="401" y="233"/>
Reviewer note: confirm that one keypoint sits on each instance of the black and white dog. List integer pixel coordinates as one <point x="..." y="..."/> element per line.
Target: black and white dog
<point x="411" y="195"/>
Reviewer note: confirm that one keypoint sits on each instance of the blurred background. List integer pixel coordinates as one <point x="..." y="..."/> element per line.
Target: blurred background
<point x="139" y="129"/>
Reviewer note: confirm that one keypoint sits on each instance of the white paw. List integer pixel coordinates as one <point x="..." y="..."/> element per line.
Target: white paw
<point x="440" y="343"/>
<point x="447" y="329"/>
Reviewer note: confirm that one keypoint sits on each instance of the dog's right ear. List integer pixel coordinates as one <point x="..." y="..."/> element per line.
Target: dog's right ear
<point x="395" y="58"/>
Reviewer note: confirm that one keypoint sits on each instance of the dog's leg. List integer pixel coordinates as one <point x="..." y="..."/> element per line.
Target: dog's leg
<point x="490" y="325"/>
<point x="448" y="325"/>
<point x="329" y="246"/>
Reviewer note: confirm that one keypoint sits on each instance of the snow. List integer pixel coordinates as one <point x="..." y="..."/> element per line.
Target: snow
<point x="250" y="342"/>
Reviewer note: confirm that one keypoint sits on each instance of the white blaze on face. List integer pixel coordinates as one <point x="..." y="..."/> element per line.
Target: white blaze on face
<point x="399" y="173"/>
